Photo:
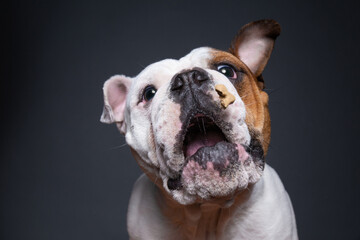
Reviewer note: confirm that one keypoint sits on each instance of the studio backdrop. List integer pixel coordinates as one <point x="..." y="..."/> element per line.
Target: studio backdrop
<point x="64" y="175"/>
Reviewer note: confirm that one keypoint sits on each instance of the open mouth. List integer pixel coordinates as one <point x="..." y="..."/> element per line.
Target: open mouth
<point x="201" y="132"/>
<point x="214" y="164"/>
<point x="206" y="145"/>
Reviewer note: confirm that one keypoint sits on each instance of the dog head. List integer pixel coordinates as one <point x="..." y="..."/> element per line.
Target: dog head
<point x="199" y="126"/>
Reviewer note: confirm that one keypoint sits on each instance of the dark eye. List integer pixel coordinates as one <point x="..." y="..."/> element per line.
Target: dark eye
<point x="149" y="93"/>
<point x="227" y="70"/>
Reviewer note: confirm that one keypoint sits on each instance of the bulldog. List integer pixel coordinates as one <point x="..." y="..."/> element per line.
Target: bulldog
<point x="199" y="128"/>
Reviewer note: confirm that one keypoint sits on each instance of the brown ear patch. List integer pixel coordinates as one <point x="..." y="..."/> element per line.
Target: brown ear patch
<point x="254" y="43"/>
<point x="267" y="27"/>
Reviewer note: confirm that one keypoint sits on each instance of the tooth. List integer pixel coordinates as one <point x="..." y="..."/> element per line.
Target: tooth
<point x="226" y="98"/>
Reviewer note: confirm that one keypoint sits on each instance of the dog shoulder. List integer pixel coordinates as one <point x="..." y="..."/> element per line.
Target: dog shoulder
<point x="144" y="218"/>
<point x="140" y="200"/>
<point x="269" y="206"/>
<point x="275" y="206"/>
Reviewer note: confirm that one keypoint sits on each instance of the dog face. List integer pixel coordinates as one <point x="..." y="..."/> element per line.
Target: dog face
<point x="199" y="126"/>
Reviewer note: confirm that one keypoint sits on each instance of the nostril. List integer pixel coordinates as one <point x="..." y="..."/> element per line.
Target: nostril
<point x="200" y="76"/>
<point x="188" y="77"/>
<point x="177" y="83"/>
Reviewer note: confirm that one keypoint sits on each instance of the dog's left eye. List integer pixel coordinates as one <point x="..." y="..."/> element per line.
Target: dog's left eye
<point x="227" y="70"/>
<point x="149" y="93"/>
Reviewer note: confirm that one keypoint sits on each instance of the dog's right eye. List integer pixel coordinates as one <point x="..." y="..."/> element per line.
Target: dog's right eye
<point x="227" y="70"/>
<point x="149" y="93"/>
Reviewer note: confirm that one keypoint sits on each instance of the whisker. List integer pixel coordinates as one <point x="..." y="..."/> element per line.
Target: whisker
<point x="272" y="90"/>
<point x="142" y="66"/>
<point x="117" y="147"/>
<point x="247" y="105"/>
<point x="202" y="120"/>
<point x="200" y="128"/>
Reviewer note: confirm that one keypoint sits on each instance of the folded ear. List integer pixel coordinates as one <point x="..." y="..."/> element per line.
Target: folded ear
<point x="254" y="43"/>
<point x="115" y="93"/>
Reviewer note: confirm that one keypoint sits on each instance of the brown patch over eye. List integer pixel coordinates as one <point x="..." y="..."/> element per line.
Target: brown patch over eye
<point x="221" y="57"/>
<point x="243" y="72"/>
<point x="230" y="66"/>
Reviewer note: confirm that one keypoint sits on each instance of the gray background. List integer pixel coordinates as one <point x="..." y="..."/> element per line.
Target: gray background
<point x="64" y="175"/>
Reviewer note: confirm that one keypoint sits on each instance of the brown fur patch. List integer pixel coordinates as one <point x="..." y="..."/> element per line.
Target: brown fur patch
<point x="250" y="91"/>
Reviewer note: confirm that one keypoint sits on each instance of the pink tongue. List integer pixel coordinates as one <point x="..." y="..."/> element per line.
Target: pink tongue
<point x="209" y="139"/>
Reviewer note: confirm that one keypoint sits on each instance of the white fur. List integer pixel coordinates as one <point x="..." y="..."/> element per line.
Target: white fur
<point x="266" y="214"/>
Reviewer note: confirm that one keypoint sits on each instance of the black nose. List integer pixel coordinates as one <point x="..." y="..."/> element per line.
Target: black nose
<point x="194" y="76"/>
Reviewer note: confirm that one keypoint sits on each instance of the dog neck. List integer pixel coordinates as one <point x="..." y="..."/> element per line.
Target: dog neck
<point x="202" y="220"/>
<point x="260" y="212"/>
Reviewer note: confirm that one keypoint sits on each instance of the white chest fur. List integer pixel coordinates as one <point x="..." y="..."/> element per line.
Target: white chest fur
<point x="266" y="214"/>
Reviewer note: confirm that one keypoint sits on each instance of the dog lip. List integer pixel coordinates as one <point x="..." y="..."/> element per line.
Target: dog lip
<point x="202" y="156"/>
<point x="174" y="183"/>
<point x="256" y="151"/>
